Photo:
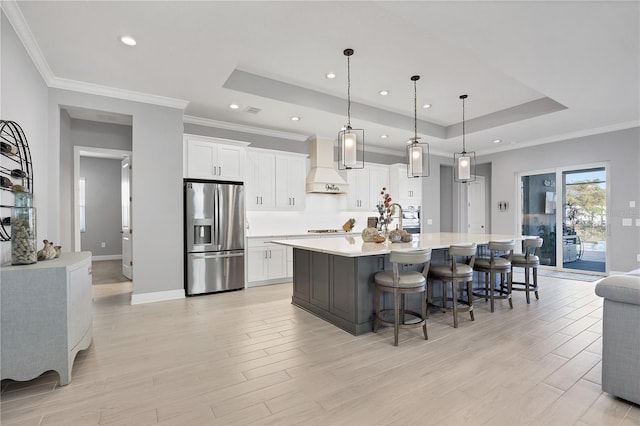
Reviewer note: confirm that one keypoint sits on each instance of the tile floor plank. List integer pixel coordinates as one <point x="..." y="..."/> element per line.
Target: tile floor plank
<point x="250" y="357"/>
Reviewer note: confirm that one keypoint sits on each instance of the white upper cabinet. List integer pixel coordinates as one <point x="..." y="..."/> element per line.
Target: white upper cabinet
<point x="260" y="186"/>
<point x="290" y="182"/>
<point x="275" y="180"/>
<point x="406" y="191"/>
<point x="365" y="186"/>
<point x="213" y="158"/>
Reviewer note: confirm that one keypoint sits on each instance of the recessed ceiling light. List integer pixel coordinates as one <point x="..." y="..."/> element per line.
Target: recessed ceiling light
<point x="384" y="136"/>
<point x="128" y="40"/>
<point x="425" y="106"/>
<point x="383" y="92"/>
<point x="234" y="106"/>
<point x="295" y="118"/>
<point x="330" y="75"/>
<point x="497" y="141"/>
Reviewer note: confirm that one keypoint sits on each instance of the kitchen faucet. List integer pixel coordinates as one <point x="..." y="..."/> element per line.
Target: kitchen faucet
<point x="400" y="216"/>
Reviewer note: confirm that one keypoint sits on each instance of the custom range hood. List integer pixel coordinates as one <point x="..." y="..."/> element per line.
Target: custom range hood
<point x="323" y="176"/>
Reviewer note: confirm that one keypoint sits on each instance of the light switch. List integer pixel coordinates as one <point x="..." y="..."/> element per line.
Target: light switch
<point x="637" y="222"/>
<point x="626" y="221"/>
<point x="429" y="221"/>
<point x="632" y="204"/>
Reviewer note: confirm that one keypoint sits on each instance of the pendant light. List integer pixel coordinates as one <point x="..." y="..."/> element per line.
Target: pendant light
<point x="464" y="163"/>
<point x="417" y="152"/>
<point x="350" y="141"/>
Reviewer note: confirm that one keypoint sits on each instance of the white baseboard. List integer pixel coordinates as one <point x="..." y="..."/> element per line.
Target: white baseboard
<point x="107" y="257"/>
<point x="159" y="296"/>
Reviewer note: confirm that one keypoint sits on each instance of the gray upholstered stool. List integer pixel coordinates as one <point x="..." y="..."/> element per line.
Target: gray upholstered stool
<point x="499" y="262"/>
<point x="401" y="283"/>
<point x="458" y="271"/>
<point x="530" y="261"/>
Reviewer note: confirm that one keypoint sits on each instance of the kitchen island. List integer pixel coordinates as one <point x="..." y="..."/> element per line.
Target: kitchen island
<point x="333" y="277"/>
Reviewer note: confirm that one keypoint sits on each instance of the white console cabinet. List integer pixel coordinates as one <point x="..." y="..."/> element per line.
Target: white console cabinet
<point x="46" y="316"/>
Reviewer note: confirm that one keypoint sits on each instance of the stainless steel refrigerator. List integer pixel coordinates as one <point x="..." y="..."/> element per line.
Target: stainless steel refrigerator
<point x="214" y="236"/>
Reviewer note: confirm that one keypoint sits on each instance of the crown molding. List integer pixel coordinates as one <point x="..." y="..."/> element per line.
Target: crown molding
<point x="244" y="128"/>
<point x="19" y="24"/>
<point x="130" y="95"/>
<point x="563" y="137"/>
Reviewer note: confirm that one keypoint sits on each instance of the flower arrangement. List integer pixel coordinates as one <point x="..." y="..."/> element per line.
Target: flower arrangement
<point x="385" y="209"/>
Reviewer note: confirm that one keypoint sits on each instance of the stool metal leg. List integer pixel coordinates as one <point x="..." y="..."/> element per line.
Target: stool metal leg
<point x="454" y="297"/>
<point x="526" y="283"/>
<point x="396" y="322"/>
<point x="470" y="297"/>
<point x="424" y="317"/>
<point x="376" y="319"/>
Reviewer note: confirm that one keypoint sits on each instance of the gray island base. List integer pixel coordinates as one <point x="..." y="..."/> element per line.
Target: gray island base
<point x="333" y="278"/>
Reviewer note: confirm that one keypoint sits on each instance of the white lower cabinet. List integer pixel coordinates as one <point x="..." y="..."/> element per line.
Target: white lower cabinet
<point x="265" y="262"/>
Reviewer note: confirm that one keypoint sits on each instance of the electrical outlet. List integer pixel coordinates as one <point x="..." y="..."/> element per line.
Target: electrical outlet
<point x="429" y="221"/>
<point x="103" y="244"/>
<point x="639" y="258"/>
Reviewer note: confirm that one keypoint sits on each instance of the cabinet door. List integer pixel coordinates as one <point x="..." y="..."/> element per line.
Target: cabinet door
<point x="277" y="262"/>
<point x="283" y="195"/>
<point x="301" y="274"/>
<point x="358" y="196"/>
<point x="79" y="303"/>
<point x="296" y="178"/>
<point x="289" y="183"/>
<point x="319" y="291"/>
<point x="257" y="264"/>
<point x="378" y="179"/>
<point x="261" y="181"/>
<point x="200" y="160"/>
<point x="230" y="161"/>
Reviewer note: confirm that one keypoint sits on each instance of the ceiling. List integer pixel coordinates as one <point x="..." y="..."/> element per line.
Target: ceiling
<point x="535" y="71"/>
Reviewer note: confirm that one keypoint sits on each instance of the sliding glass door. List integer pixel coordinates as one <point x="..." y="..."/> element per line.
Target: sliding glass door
<point x="567" y="208"/>
<point x="538" y="201"/>
<point x="585" y="219"/>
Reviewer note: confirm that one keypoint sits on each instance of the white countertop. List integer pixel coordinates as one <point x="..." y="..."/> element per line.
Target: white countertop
<point x="353" y="246"/>
<point x="306" y="234"/>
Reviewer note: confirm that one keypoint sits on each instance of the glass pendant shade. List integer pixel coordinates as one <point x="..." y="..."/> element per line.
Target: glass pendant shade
<point x="464" y="163"/>
<point x="350" y="140"/>
<point x="417" y="159"/>
<point x="464" y="167"/>
<point x="351" y="149"/>
<point x="417" y="152"/>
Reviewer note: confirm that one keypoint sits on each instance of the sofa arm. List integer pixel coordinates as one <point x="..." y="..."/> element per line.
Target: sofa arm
<point x="621" y="288"/>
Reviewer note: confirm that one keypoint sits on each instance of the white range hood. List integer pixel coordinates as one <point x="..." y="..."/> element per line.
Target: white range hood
<point x="323" y="176"/>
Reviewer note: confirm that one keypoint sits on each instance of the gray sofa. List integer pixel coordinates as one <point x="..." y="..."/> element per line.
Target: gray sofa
<point x="621" y="335"/>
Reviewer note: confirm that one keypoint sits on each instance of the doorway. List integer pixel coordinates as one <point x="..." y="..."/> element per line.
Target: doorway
<point x="120" y="201"/>
<point x="567" y="208"/>
<point x="584" y="219"/>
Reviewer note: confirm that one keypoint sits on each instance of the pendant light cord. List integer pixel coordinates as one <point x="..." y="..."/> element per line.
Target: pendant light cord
<point x="464" y="149"/>
<point x="348" y="92"/>
<point x="415" y="112"/>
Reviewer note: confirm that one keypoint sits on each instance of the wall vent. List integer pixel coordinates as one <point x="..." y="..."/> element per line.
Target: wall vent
<point x="252" y="110"/>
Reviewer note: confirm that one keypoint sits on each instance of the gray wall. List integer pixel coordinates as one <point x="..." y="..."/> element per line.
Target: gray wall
<point x="156" y="185"/>
<point x="621" y="149"/>
<point x="24" y="100"/>
<point x="103" y="206"/>
<point x="446" y="198"/>
<point x="83" y="133"/>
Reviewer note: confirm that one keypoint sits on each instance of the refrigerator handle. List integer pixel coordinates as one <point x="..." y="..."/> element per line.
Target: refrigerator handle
<point x="218" y="213"/>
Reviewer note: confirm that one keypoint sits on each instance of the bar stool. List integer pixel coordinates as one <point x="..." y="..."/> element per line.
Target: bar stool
<point x="459" y="271"/>
<point x="499" y="262"/>
<point x="401" y="283"/>
<point x="529" y="260"/>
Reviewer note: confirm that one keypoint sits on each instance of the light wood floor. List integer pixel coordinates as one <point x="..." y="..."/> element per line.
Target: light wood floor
<point x="250" y="357"/>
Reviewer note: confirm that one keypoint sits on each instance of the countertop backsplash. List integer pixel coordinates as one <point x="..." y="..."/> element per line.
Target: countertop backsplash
<point x="322" y="211"/>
